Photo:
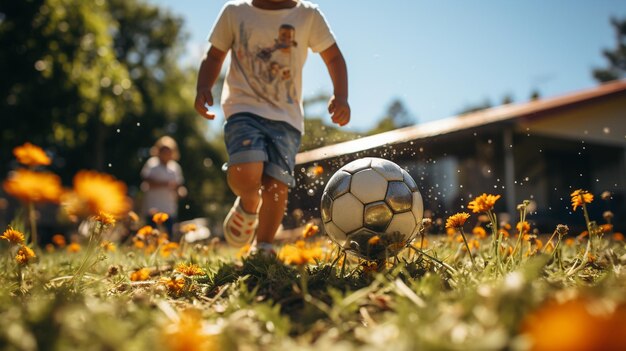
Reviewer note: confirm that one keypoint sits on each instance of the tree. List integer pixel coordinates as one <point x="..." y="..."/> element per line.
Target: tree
<point x="616" y="57"/>
<point x="317" y="132"/>
<point x="397" y="116"/>
<point x="96" y="83"/>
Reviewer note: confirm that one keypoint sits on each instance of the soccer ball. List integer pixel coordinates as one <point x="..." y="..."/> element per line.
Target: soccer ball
<point x="372" y="208"/>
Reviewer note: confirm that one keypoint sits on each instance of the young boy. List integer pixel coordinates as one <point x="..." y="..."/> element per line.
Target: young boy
<point x="264" y="114"/>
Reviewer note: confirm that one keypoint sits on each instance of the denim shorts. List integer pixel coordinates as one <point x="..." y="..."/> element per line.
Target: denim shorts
<point x="252" y="138"/>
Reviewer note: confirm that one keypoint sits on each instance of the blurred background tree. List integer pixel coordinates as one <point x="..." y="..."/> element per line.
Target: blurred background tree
<point x="616" y="57"/>
<point x="96" y="83"/>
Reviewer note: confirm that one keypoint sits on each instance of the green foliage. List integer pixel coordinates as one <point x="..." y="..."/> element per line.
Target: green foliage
<point x="95" y="84"/>
<point x="616" y="57"/>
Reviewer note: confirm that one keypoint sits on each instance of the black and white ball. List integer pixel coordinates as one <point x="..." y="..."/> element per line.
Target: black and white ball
<point x="372" y="208"/>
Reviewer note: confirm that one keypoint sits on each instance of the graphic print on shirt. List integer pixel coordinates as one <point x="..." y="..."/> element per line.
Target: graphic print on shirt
<point x="268" y="67"/>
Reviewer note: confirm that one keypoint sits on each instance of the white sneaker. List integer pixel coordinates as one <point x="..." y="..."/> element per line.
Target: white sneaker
<point x="239" y="226"/>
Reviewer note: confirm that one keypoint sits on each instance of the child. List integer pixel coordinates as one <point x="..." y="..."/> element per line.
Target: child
<point x="264" y="114"/>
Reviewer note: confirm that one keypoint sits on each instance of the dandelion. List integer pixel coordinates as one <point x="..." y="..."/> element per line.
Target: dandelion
<point x="59" y="240"/>
<point x="145" y="231"/>
<point x="140" y="275"/>
<point x="523" y="227"/>
<point x="175" y="285"/>
<point x="24" y="255"/>
<point x="31" y="186"/>
<point x="309" y="230"/>
<point x="189" y="269"/>
<point x="14" y="237"/>
<point x="480" y="232"/>
<point x="457" y="220"/>
<point x="188" y="333"/>
<point x="483" y="203"/>
<point x="73" y="247"/>
<point x="31" y="155"/>
<point x="108" y="246"/>
<point x="105" y="218"/>
<point x="299" y="254"/>
<point x="97" y="192"/>
<point x="580" y="197"/>
<point x="160" y="217"/>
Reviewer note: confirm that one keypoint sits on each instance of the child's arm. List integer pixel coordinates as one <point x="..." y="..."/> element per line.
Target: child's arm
<point x="338" y="105"/>
<point x="207" y="75"/>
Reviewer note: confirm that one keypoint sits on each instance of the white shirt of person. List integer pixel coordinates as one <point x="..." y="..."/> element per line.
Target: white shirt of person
<point x="162" y="198"/>
<point x="268" y="49"/>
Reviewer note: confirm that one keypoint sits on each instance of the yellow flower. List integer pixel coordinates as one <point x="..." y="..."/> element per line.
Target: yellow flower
<point x="140" y="275"/>
<point x="13" y="236"/>
<point x="108" y="246"/>
<point x="31" y="186"/>
<point x="580" y="197"/>
<point x="479" y="232"/>
<point x="174" y="285"/>
<point x="189" y="269"/>
<point x="309" y="230"/>
<point x="167" y="249"/>
<point x="523" y="227"/>
<point x="145" y="231"/>
<point x="300" y="254"/>
<point x="97" y="192"/>
<point x="457" y="220"/>
<point x="24" y="254"/>
<point x="59" y="240"/>
<point x="483" y="203"/>
<point x="73" y="247"/>
<point x="160" y="217"/>
<point x="587" y="328"/>
<point x="105" y="218"/>
<point x="31" y="155"/>
<point x="189" y="333"/>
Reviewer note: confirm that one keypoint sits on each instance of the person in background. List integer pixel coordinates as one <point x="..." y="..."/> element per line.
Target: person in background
<point x="162" y="182"/>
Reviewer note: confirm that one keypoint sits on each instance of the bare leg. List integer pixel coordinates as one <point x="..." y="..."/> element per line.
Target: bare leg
<point x="274" y="194"/>
<point x="244" y="179"/>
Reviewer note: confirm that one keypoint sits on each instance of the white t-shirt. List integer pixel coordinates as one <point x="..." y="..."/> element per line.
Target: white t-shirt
<point x="161" y="199"/>
<point x="268" y="50"/>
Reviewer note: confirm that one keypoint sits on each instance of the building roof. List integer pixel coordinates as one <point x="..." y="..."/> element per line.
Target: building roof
<point x="533" y="109"/>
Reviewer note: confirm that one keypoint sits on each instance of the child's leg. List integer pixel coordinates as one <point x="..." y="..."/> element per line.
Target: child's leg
<point x="274" y="194"/>
<point x="244" y="179"/>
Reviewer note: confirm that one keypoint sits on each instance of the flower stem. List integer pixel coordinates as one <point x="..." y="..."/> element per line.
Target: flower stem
<point x="467" y="246"/>
<point x="33" y="223"/>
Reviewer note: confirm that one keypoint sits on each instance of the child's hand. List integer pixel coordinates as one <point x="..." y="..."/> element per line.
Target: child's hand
<point x="339" y="110"/>
<point x="203" y="98"/>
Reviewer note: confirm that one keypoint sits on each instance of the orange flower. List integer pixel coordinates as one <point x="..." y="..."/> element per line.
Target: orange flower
<point x="457" y="220"/>
<point x="167" y="249"/>
<point x="73" y="247"/>
<point x="618" y="236"/>
<point x="606" y="228"/>
<point x="24" y="254"/>
<point x="31" y="186"/>
<point x="31" y="155"/>
<point x="140" y="275"/>
<point x="309" y="230"/>
<point x="587" y="328"/>
<point x="580" y="197"/>
<point x="133" y="216"/>
<point x="97" y="192"/>
<point x="189" y="269"/>
<point x="160" y="217"/>
<point x="13" y="236"/>
<point x="300" y="254"/>
<point x="108" y="246"/>
<point x="105" y="218"/>
<point x="59" y="240"/>
<point x="145" y="231"/>
<point x="175" y="286"/>
<point x="479" y="232"/>
<point x="483" y="203"/>
<point x="189" y="228"/>
<point x="318" y="170"/>
<point x="523" y="227"/>
<point x="189" y="333"/>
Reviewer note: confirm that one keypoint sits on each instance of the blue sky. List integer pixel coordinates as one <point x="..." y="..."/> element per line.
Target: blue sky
<point x="441" y="56"/>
